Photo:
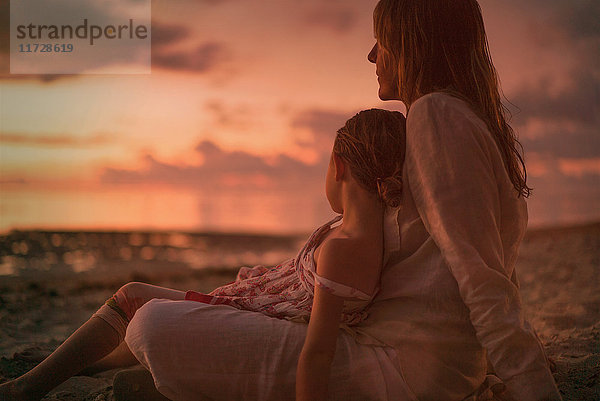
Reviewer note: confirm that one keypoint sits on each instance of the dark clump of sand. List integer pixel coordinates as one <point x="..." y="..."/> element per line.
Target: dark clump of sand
<point x="559" y="271"/>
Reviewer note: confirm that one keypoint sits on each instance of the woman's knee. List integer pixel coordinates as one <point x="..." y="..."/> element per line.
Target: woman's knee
<point x="152" y="328"/>
<point x="145" y="322"/>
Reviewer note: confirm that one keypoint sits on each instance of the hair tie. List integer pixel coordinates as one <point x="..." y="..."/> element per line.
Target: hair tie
<point x="379" y="181"/>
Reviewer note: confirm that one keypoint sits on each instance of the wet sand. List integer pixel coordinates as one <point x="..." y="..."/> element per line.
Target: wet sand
<point x="559" y="270"/>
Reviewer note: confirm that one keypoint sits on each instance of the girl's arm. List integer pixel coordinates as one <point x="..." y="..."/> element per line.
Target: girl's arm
<point x="338" y="260"/>
<point x="312" y="376"/>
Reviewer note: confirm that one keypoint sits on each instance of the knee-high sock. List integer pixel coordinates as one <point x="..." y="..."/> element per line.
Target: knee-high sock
<point x="115" y="317"/>
<point x="121" y="307"/>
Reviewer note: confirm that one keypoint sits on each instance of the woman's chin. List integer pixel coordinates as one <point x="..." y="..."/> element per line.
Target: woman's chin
<point x="386" y="94"/>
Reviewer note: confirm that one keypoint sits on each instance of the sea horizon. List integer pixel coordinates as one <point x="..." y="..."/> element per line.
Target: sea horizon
<point x="254" y="211"/>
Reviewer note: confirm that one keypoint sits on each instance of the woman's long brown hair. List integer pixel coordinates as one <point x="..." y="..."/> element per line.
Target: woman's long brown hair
<point x="441" y="45"/>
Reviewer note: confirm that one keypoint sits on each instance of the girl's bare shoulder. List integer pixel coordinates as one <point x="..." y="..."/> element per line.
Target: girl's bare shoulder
<point x="354" y="261"/>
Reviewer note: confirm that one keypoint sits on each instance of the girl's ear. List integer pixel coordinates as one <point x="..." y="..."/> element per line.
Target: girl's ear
<point x="340" y="167"/>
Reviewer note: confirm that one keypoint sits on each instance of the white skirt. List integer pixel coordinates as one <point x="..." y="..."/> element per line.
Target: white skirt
<point x="197" y="351"/>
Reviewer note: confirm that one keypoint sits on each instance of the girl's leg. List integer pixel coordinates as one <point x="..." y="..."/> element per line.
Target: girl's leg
<point x="121" y="357"/>
<point x="92" y="341"/>
<point x="98" y="337"/>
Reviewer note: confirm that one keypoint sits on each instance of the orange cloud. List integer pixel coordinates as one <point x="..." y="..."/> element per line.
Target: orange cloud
<point x="579" y="167"/>
<point x="53" y="140"/>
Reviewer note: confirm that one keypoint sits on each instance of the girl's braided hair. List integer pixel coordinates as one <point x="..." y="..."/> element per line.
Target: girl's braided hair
<point x="373" y="143"/>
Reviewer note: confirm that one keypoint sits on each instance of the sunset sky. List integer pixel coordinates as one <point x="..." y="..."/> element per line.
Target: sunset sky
<point x="233" y="128"/>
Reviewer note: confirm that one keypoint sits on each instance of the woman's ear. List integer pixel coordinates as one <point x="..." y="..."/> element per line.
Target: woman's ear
<point x="340" y="167"/>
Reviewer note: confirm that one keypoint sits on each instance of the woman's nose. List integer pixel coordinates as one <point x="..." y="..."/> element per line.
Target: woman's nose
<point x="372" y="57"/>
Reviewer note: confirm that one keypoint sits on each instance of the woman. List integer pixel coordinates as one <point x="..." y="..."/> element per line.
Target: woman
<point x="449" y="294"/>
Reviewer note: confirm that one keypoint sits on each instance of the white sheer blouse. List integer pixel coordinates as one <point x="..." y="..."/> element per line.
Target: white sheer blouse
<point x="449" y="295"/>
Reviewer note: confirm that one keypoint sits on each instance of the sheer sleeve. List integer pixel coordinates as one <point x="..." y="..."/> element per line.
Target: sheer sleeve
<point x="453" y="168"/>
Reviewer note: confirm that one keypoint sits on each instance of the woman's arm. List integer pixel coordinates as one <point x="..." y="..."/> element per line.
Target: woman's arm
<point x="454" y="173"/>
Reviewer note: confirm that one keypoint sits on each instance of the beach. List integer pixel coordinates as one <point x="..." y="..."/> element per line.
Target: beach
<point x="51" y="282"/>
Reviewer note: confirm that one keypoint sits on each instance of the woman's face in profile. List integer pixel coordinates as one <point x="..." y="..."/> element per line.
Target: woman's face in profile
<point x="386" y="74"/>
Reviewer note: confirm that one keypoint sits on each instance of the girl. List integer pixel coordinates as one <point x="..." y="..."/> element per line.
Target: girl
<point x="449" y="300"/>
<point x="332" y="281"/>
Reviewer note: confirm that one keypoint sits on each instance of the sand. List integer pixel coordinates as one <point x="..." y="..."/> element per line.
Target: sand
<point x="559" y="271"/>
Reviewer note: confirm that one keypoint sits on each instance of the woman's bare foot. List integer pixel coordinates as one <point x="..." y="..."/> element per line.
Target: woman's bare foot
<point x="136" y="385"/>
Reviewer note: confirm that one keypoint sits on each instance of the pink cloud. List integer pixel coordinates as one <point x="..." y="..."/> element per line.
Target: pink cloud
<point x="221" y="169"/>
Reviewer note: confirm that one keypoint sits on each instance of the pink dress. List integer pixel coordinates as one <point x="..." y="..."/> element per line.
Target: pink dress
<point x="286" y="291"/>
